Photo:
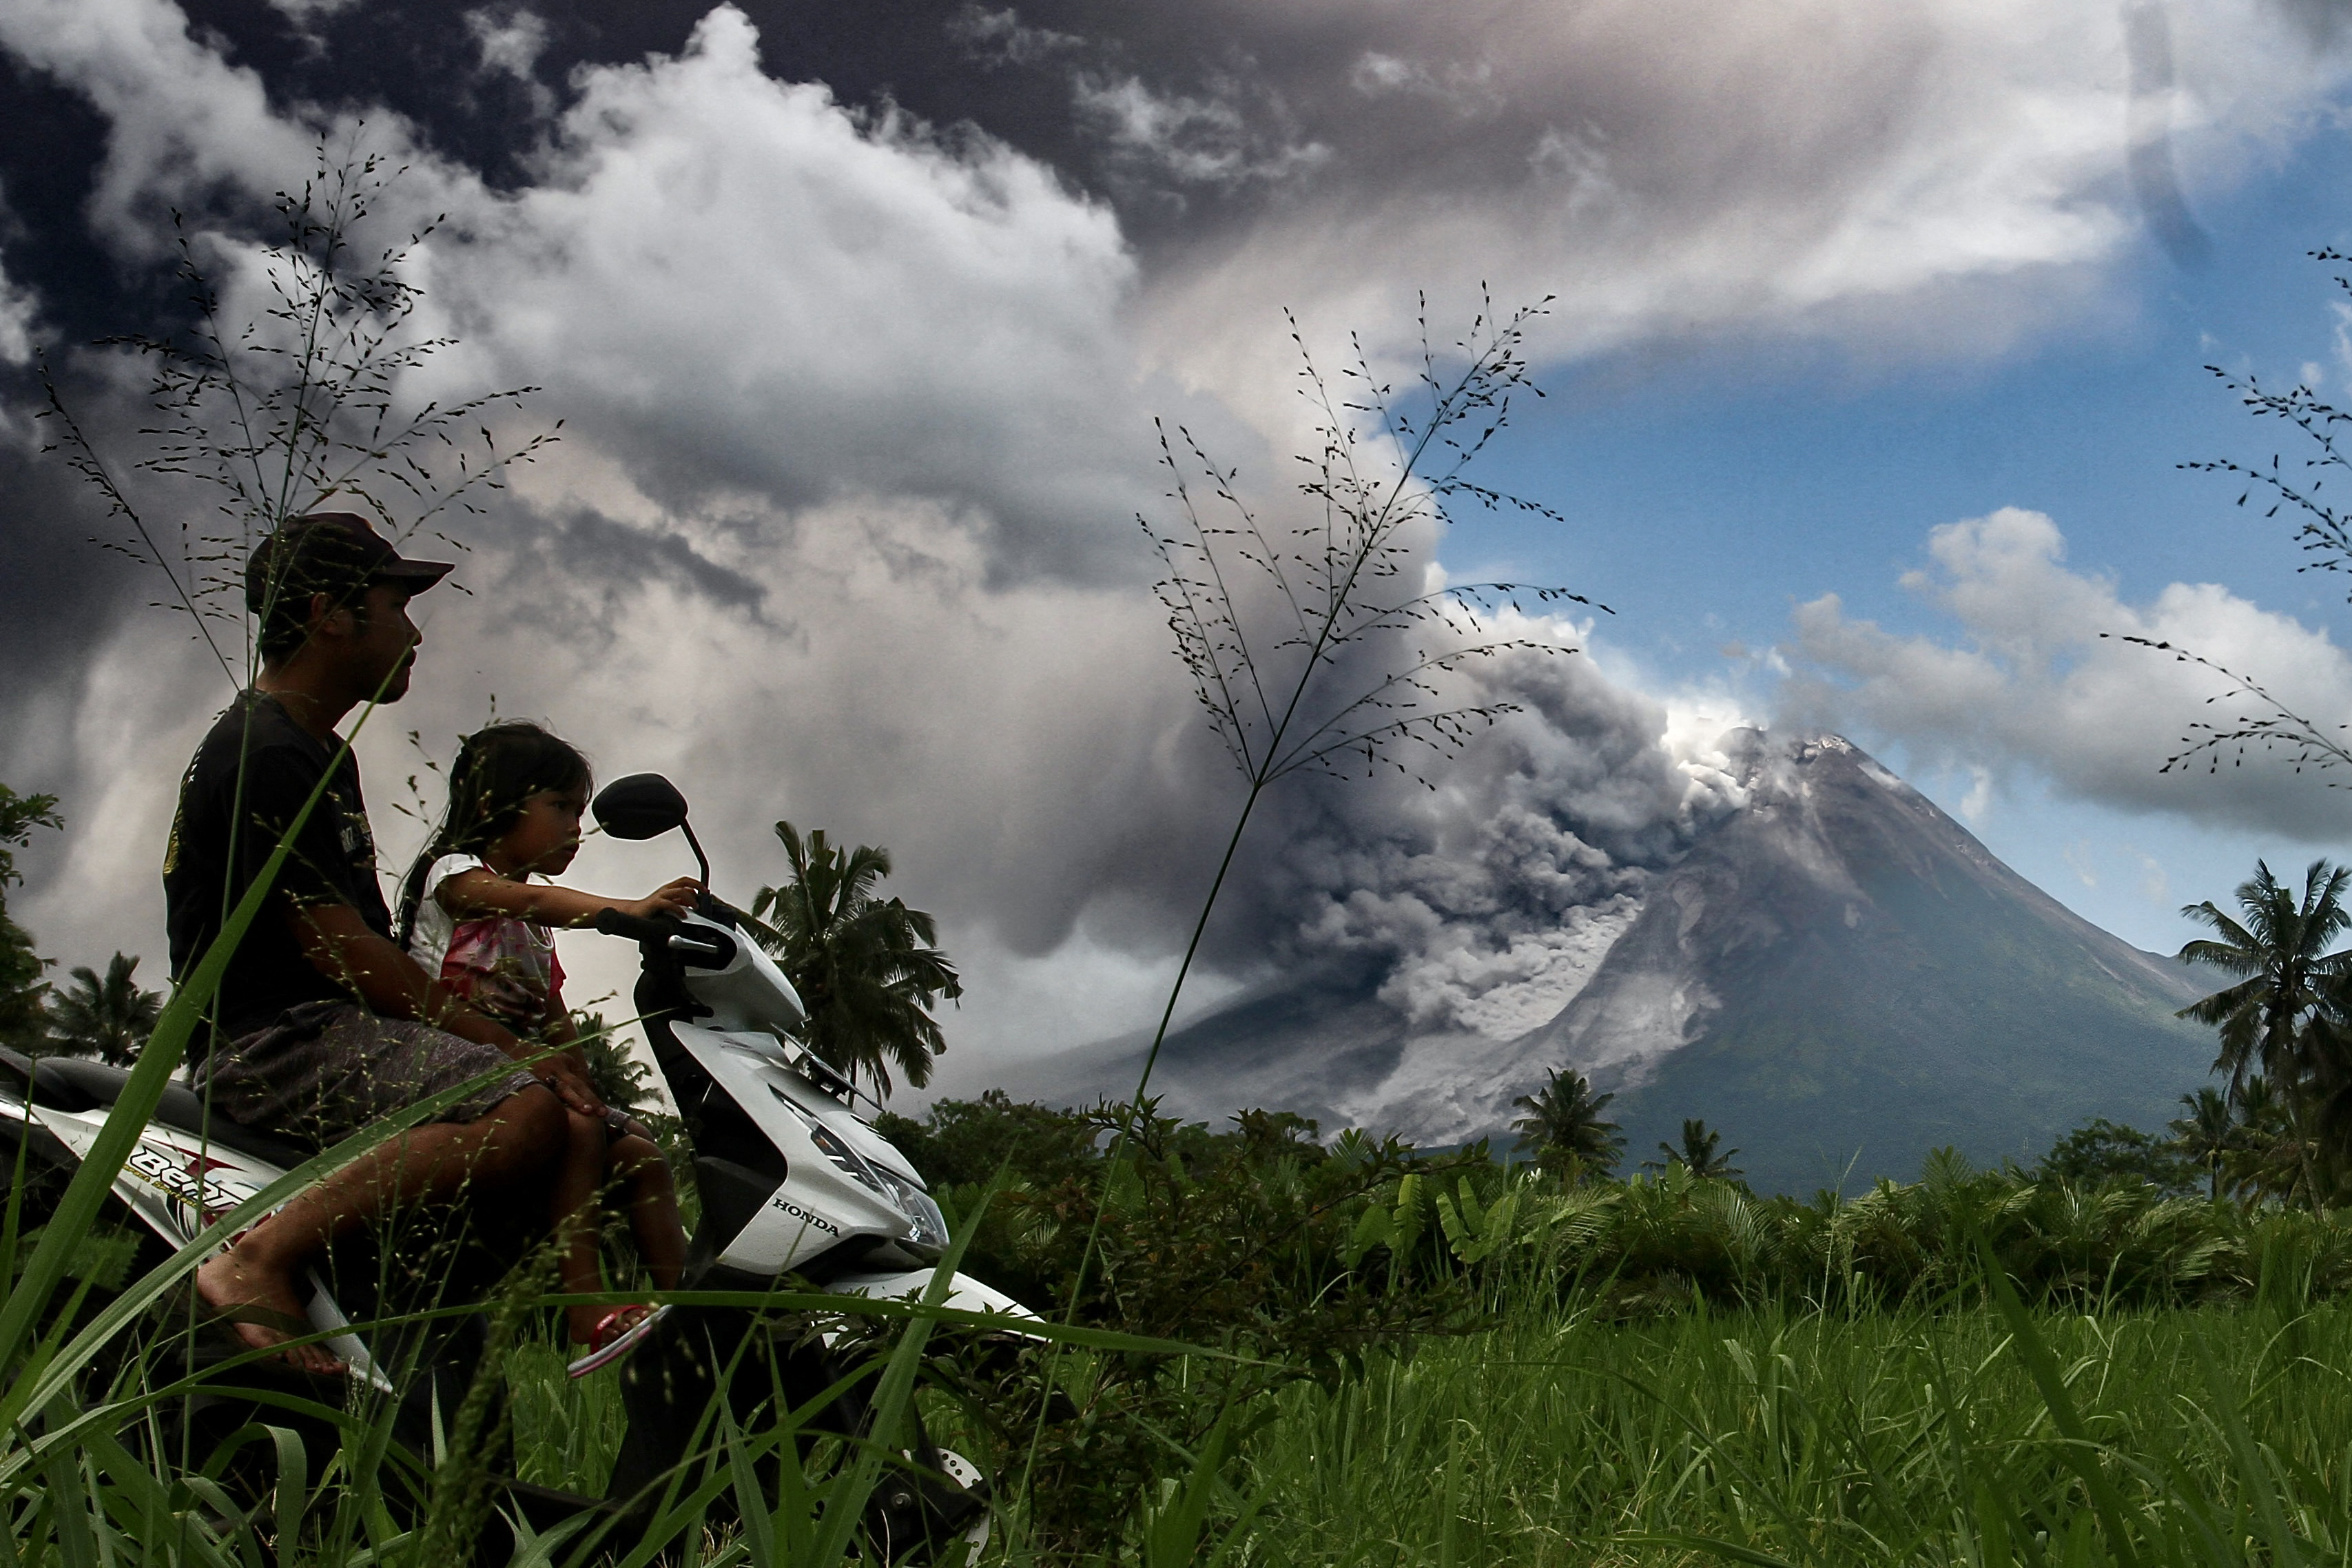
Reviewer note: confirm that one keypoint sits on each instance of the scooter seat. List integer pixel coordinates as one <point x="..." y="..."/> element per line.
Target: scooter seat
<point x="76" y="1083"/>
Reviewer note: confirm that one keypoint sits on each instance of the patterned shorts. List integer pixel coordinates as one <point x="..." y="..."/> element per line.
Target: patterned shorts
<point x="325" y="1070"/>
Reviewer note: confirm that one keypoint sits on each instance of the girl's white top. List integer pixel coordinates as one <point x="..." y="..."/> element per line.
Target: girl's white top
<point x="504" y="965"/>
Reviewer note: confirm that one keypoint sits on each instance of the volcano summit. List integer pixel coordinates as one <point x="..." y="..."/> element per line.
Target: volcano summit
<point x="1837" y="974"/>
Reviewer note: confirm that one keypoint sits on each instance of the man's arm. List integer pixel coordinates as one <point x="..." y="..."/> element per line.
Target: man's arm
<point x="346" y="950"/>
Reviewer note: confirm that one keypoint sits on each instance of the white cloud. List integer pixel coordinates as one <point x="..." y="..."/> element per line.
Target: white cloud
<point x="510" y="42"/>
<point x="1930" y="180"/>
<point x="1002" y="39"/>
<point x="1979" y="800"/>
<point x="1192" y="140"/>
<point x="841" y="531"/>
<point x="2030" y="682"/>
<point x="728" y="281"/>
<point x="16" y="312"/>
<point x="183" y="123"/>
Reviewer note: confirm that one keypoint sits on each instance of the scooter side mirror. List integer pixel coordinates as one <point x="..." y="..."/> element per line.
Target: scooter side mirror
<point x="642" y="805"/>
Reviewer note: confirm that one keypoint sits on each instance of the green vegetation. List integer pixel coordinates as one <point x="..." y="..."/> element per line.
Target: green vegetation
<point x="1661" y="1371"/>
<point x="2286" y="1016"/>
<point x="23" y="992"/>
<point x="1561" y="1437"/>
<point x="1698" y="1151"/>
<point x="108" y="1017"/>
<point x="2101" y="1150"/>
<point x="1240" y="1238"/>
<point x="1369" y="1285"/>
<point x="621" y="1077"/>
<point x="1564" y="1127"/>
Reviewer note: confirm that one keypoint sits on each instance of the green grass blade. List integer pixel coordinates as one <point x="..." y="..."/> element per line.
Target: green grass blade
<point x="1729" y="1550"/>
<point x="751" y="1503"/>
<point x="2254" y="1477"/>
<point x="846" y="1504"/>
<point x="2078" y="1452"/>
<point x="35" y="1390"/>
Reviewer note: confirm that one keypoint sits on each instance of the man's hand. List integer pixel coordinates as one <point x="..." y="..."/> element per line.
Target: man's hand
<point x="562" y="1073"/>
<point x="344" y="948"/>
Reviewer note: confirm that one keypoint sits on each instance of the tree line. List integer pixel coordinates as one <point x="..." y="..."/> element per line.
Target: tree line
<point x="107" y="1016"/>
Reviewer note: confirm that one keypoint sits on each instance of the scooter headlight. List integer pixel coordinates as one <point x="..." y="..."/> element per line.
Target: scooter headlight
<point x="930" y="1226"/>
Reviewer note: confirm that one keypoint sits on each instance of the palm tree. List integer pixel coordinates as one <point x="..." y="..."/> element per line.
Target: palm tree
<point x="23" y="994"/>
<point x="2266" y="1158"/>
<point x="867" y="968"/>
<point x="619" y="1078"/>
<point x="110" y="1019"/>
<point x="1563" y="1125"/>
<point x="2208" y="1132"/>
<point x="2282" y="951"/>
<point x="1698" y="1152"/>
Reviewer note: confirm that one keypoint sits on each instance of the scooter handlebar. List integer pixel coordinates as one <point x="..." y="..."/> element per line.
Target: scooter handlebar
<point x="636" y="928"/>
<point x="714" y="948"/>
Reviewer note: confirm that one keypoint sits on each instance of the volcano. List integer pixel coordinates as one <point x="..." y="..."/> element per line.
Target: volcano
<point x="1837" y="976"/>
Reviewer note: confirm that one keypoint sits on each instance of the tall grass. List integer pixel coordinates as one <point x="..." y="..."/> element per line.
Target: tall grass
<point x="1761" y="1435"/>
<point x="1773" y="1436"/>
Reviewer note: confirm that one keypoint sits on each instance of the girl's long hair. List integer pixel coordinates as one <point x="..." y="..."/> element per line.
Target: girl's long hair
<point x="496" y="770"/>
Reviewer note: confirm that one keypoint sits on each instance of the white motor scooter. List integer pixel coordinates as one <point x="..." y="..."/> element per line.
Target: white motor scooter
<point x="793" y="1182"/>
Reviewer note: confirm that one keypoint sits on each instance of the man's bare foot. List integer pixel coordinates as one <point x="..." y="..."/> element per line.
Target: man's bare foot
<point x="597" y="1327"/>
<point x="261" y="1305"/>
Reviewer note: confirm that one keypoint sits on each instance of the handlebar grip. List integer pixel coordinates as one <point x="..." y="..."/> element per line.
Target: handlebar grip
<point x="636" y="928"/>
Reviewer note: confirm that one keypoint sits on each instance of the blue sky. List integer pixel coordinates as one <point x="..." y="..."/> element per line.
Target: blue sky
<point x="1710" y="494"/>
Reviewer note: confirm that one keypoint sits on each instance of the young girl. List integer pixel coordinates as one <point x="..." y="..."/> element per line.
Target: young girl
<point x="472" y="914"/>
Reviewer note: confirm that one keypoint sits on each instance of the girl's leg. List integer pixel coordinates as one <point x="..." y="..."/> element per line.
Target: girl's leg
<point x="636" y="1164"/>
<point x="575" y="1219"/>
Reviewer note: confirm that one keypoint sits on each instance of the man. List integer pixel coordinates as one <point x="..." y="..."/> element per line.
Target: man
<point x="322" y="1024"/>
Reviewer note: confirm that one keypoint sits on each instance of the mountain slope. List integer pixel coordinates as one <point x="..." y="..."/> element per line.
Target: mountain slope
<point x="1841" y="972"/>
<point x="1838" y="975"/>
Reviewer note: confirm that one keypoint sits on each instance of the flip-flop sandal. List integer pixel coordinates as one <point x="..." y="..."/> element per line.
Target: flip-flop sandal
<point x="262" y="1317"/>
<point x="604" y="1352"/>
<point x="615" y="1323"/>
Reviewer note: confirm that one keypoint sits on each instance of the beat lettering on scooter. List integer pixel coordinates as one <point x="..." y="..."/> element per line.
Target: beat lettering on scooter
<point x="216" y="1197"/>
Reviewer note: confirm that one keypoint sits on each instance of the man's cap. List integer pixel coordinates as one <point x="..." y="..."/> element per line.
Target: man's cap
<point x="334" y="552"/>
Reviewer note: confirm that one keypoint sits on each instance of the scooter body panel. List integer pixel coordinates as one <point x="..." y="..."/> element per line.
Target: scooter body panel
<point x="176" y="1180"/>
<point x="833" y="1191"/>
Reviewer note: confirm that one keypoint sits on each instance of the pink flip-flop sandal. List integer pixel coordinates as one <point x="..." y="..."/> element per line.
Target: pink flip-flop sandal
<point x="614" y="1337"/>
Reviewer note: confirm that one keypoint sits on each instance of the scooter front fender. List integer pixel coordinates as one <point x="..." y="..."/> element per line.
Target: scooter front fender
<point x="965" y="1293"/>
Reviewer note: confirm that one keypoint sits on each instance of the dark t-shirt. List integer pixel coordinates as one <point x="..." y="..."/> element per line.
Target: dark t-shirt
<point x="222" y="834"/>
